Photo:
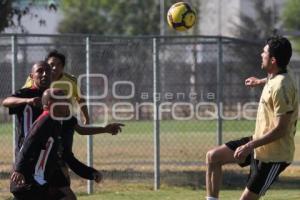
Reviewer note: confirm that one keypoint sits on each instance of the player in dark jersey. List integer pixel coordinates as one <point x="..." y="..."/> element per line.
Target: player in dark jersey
<point x="26" y="103"/>
<point x="40" y="152"/>
<point x="61" y="180"/>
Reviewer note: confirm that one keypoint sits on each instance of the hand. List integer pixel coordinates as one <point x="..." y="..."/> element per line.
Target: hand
<point x="253" y="82"/>
<point x="17" y="178"/>
<point x="113" y="128"/>
<point x="243" y="151"/>
<point x="36" y="101"/>
<point x="97" y="176"/>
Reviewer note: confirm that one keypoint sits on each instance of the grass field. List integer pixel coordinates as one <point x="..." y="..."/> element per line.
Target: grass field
<point x="181" y="142"/>
<point x="182" y="194"/>
<point x="138" y="192"/>
<point x="130" y="156"/>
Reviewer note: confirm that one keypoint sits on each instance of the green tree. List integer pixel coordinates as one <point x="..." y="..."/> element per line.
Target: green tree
<point x="5" y="12"/>
<point x="253" y="30"/>
<point x="291" y="16"/>
<point x="117" y="17"/>
<point x="259" y="27"/>
<point x="111" y="17"/>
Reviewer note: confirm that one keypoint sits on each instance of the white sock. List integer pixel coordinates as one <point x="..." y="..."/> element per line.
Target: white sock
<point x="211" y="198"/>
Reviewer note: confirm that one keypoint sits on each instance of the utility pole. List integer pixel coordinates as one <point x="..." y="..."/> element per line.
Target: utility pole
<point x="220" y="17"/>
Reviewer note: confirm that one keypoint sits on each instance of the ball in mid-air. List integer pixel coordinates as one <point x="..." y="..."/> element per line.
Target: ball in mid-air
<point x="181" y="16"/>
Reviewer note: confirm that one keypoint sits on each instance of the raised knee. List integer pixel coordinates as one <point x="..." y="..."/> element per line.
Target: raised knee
<point x="211" y="157"/>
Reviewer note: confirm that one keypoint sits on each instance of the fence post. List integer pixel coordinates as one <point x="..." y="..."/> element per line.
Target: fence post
<point x="220" y="90"/>
<point x="156" y="119"/>
<point x="89" y="137"/>
<point x="14" y="52"/>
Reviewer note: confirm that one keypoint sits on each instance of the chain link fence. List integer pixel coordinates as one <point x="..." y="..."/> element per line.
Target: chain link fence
<point x="189" y="79"/>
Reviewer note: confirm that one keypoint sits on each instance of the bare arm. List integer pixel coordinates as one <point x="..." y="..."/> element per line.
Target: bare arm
<point x="276" y="133"/>
<point x="12" y="102"/>
<point x="84" y="111"/>
<point x="113" y="129"/>
<point x="253" y="81"/>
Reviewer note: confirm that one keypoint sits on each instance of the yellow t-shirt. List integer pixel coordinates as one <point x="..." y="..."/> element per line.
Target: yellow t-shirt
<point x="279" y="97"/>
<point x="67" y="82"/>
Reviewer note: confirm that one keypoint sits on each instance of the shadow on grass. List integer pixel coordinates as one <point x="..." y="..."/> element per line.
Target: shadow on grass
<point x="195" y="179"/>
<point x="232" y="179"/>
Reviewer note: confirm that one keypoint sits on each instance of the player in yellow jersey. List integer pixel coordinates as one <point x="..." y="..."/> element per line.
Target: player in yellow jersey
<point x="271" y="148"/>
<point x="63" y="80"/>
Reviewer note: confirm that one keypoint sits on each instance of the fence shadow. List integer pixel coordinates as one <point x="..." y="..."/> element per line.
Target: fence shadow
<point x="194" y="179"/>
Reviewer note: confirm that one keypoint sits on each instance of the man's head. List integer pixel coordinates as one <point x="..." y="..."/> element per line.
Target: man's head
<point x="41" y="75"/>
<point x="57" y="62"/>
<point x="276" y="53"/>
<point x="55" y="101"/>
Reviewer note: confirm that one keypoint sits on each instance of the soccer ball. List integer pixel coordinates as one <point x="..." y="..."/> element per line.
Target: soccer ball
<point x="181" y="16"/>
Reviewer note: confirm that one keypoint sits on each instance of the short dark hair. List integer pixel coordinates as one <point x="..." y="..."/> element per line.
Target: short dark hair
<point x="56" y="54"/>
<point x="280" y="48"/>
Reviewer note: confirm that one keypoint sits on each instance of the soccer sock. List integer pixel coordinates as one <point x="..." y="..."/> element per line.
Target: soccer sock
<point x="211" y="198"/>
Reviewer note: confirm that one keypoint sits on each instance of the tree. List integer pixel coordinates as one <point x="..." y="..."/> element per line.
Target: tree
<point x="291" y="15"/>
<point x="253" y="30"/>
<point x="5" y="12"/>
<point x="117" y="17"/>
<point x="259" y="27"/>
<point x="113" y="17"/>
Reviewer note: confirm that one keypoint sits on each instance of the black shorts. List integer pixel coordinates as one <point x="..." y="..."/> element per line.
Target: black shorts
<point x="234" y="144"/>
<point x="262" y="174"/>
